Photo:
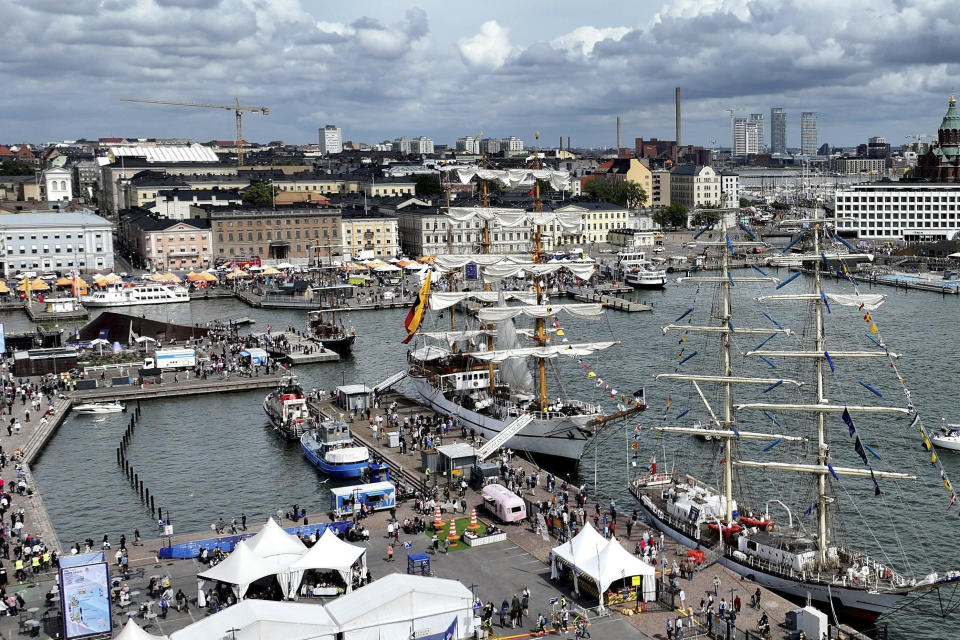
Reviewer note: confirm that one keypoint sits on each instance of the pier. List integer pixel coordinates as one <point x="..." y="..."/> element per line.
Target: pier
<point x="302" y="349"/>
<point x="609" y="301"/>
<point x="183" y="386"/>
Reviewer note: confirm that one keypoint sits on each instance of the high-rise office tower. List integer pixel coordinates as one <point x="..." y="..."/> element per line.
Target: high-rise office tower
<point x="778" y="130"/>
<point x="747" y="136"/>
<point x="808" y="133"/>
<point x="756" y="119"/>
<point x="331" y="139"/>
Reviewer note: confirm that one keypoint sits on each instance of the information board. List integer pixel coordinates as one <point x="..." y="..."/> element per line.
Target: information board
<point x="85" y="595"/>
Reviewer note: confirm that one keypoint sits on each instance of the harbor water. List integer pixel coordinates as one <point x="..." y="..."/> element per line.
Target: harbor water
<point x="208" y="457"/>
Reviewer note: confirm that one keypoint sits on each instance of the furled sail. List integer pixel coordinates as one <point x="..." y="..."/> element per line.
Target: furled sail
<point x="513" y="370"/>
<point x="579" y="310"/>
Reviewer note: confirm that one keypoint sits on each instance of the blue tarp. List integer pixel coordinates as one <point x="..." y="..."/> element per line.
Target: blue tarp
<point x="227" y="543"/>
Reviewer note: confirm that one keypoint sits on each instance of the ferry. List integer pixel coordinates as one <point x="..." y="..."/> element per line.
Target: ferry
<point x="331" y="450"/>
<point x="134" y="295"/>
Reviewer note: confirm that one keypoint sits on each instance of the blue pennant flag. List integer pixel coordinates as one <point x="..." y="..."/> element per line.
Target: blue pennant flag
<point x="845" y="416"/>
<point x="832" y="472"/>
<point x="772" y="444"/>
<point x="872" y="452"/>
<point x="858" y="447"/>
<point x="684" y="314"/>
<point x="826" y="354"/>
<point x="870" y="388"/>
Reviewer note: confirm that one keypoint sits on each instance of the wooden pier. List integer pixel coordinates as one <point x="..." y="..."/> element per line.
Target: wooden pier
<point x="37" y="313"/>
<point x="184" y="387"/>
<point x="611" y="302"/>
<point x="299" y="345"/>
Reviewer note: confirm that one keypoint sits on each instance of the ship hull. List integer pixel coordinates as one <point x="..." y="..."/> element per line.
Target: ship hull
<point x="283" y="428"/>
<point x="338" y="471"/>
<point x="560" y="439"/>
<point x="861" y="604"/>
<point x="342" y="346"/>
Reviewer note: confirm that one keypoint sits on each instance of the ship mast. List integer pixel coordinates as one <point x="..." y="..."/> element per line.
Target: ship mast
<point x="727" y="372"/>
<point x="822" y="447"/>
<point x="453" y="317"/>
<point x="541" y="336"/>
<point x="485" y="249"/>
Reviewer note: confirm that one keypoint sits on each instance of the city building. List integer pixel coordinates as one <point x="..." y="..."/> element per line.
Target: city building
<point x="468" y="144"/>
<point x="163" y="244"/>
<point x="365" y="231"/>
<point x="423" y="145"/>
<point x="57" y="185"/>
<point x="747" y="136"/>
<point x="941" y="163"/>
<point x="654" y="148"/>
<point x="294" y="233"/>
<point x="695" y="186"/>
<point x="660" y="189"/>
<point x="808" y="133"/>
<point x="756" y="120"/>
<point x="79" y="240"/>
<point x="855" y="166"/>
<point x="86" y="176"/>
<point x="490" y="146"/>
<point x="908" y="211"/>
<point x="627" y="170"/>
<point x="403" y="145"/>
<point x="331" y="140"/>
<point x="730" y="189"/>
<point x="181" y="204"/>
<point x="778" y="130"/>
<point x="598" y="219"/>
<point x="427" y="230"/>
<point x="512" y="144"/>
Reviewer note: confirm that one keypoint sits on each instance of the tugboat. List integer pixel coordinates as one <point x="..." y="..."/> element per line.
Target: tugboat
<point x="327" y="327"/>
<point x="286" y="406"/>
<point x="330" y="448"/>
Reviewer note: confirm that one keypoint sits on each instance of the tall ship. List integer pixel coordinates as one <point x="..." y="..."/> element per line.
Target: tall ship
<point x="479" y="371"/>
<point x="327" y="326"/>
<point x="331" y="449"/>
<point x="287" y="408"/>
<point x="805" y="549"/>
<point x="128" y="295"/>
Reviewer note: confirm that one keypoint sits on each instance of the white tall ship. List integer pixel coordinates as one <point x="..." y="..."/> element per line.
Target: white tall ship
<point x="811" y="555"/>
<point x="120" y="295"/>
<point x="480" y="374"/>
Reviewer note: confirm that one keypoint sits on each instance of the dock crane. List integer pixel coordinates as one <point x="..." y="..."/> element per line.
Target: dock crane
<point x="235" y="107"/>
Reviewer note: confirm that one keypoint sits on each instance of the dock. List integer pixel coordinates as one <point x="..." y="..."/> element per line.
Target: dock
<point x="609" y="301"/>
<point x="37" y="313"/>
<point x="303" y="349"/>
<point x="170" y="388"/>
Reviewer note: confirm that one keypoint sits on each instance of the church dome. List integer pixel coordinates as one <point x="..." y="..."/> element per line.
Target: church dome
<point x="951" y="119"/>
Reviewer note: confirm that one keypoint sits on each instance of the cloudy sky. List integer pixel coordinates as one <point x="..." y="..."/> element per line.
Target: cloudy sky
<point x="385" y="68"/>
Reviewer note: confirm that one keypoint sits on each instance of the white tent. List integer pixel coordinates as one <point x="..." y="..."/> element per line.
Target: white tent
<point x="133" y="632"/>
<point x="386" y="267"/>
<point x="263" y="620"/>
<point x="403" y="606"/>
<point x="603" y="561"/>
<point x="331" y="553"/>
<point x="273" y="541"/>
<point x="240" y="568"/>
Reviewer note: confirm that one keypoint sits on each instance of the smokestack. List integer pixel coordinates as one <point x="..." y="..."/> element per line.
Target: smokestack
<point x="618" y="134"/>
<point x="561" y="143"/>
<point x="678" y="117"/>
<point x="568" y="143"/>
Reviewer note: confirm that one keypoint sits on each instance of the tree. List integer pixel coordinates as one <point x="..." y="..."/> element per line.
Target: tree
<point x="621" y="192"/>
<point x="703" y="217"/>
<point x="671" y="217"/>
<point x="427" y="184"/>
<point x="257" y="193"/>
<point x="15" y="168"/>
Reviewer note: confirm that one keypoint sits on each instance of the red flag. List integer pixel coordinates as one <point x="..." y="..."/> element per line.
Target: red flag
<point x="415" y="315"/>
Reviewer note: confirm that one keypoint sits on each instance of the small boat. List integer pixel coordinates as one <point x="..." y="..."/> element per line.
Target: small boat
<point x="330" y="448"/>
<point x="286" y="406"/>
<point x="947" y="438"/>
<point x="327" y="327"/>
<point x="93" y="408"/>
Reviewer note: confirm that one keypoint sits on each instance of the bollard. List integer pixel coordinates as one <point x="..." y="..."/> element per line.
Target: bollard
<point x="141" y="491"/>
<point x="136" y="479"/>
<point x="152" y="508"/>
<point x="118" y="455"/>
<point x="148" y="494"/>
<point x="160" y="513"/>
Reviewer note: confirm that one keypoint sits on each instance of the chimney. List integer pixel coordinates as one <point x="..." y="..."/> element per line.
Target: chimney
<point x="678" y="117"/>
<point x="618" y="134"/>
<point x="568" y="143"/>
<point x="561" y="143"/>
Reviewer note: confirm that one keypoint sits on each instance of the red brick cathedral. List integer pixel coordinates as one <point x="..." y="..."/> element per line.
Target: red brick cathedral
<point x="942" y="162"/>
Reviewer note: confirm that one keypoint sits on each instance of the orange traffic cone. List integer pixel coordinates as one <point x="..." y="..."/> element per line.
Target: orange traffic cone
<point x="452" y="534"/>
<point x="437" y="519"/>
<point x="474" y="525"/>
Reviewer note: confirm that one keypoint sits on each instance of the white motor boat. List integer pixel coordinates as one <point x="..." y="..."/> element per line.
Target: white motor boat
<point x="947" y="438"/>
<point x="93" y="408"/>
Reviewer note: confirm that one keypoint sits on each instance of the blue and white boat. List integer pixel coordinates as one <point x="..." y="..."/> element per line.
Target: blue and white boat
<point x="330" y="448"/>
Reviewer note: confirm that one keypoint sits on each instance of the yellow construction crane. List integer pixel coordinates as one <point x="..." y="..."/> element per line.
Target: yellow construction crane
<point x="235" y="107"/>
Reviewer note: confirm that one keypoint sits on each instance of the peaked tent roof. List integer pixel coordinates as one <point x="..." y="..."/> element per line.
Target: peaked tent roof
<point x="132" y="631"/>
<point x="241" y="567"/>
<point x="263" y="620"/>
<point x="272" y="540"/>
<point x="583" y="546"/>
<point x="330" y="552"/>
<point x="398" y="597"/>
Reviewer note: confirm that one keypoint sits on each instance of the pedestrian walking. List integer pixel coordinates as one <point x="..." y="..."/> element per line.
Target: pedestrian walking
<point x="716" y="585"/>
<point x="389" y="552"/>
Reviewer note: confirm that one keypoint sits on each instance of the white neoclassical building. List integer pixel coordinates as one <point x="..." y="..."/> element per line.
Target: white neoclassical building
<point x="58" y="185"/>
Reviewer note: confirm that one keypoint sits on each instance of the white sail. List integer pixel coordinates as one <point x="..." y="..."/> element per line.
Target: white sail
<point x="579" y="310"/>
<point x="451" y="337"/>
<point x="510" y="218"/>
<point x="559" y="180"/>
<point x="441" y="300"/>
<point x="549" y="351"/>
<point x="513" y="371"/>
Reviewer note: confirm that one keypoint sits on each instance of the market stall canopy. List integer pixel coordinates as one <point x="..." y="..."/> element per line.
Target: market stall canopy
<point x="270" y="271"/>
<point x="113" y="278"/>
<point x="386" y="267"/>
<point x="272" y="540"/>
<point x="263" y="620"/>
<point x="131" y="631"/>
<point x="3" y="287"/>
<point x="329" y="553"/>
<point x="240" y="569"/>
<point x="237" y="273"/>
<point x="36" y="285"/>
<point x="64" y="282"/>
<point x="388" y="607"/>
